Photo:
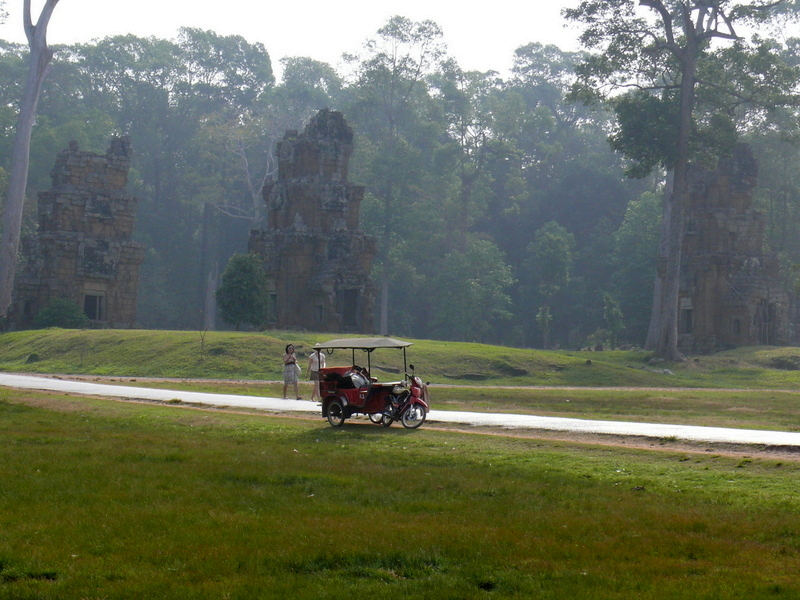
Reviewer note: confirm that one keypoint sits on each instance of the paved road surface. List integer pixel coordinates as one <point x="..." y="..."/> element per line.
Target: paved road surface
<point x="651" y="430"/>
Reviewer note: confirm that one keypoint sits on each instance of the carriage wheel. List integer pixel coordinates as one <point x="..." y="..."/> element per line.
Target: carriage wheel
<point x="336" y="413"/>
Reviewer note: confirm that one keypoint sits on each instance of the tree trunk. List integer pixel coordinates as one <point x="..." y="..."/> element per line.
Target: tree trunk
<point x="667" y="342"/>
<point x="654" y="330"/>
<point x="388" y="218"/>
<point x="210" y="300"/>
<point x="384" y="325"/>
<point x="40" y="56"/>
<point x="209" y="265"/>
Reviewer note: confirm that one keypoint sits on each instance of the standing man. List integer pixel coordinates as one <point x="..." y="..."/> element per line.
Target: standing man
<point x="316" y="361"/>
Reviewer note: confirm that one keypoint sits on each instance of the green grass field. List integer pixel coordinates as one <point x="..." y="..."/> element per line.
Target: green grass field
<point x="103" y="499"/>
<point x="229" y="355"/>
<point x="755" y="388"/>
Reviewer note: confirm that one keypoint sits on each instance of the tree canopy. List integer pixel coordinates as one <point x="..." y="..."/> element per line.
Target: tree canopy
<point x="661" y="52"/>
<point x="501" y="210"/>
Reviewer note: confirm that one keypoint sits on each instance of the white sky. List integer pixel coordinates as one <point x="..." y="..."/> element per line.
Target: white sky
<point x="480" y="35"/>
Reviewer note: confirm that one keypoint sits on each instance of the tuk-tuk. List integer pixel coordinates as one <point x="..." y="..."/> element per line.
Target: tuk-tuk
<point x="351" y="390"/>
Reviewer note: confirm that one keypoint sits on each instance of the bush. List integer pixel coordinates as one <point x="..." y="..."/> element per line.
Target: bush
<point x="242" y="297"/>
<point x="61" y="312"/>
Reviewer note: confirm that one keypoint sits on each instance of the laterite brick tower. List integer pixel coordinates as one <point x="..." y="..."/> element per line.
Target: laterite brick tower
<point x="316" y="258"/>
<point x="730" y="294"/>
<point x="83" y="250"/>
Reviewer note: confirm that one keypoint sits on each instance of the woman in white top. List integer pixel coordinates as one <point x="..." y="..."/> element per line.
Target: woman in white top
<point x="290" y="370"/>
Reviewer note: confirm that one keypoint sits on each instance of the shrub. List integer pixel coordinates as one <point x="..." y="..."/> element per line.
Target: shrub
<point x="61" y="312"/>
<point x="242" y="297"/>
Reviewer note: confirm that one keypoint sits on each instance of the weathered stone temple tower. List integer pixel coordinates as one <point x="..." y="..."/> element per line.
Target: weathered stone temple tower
<point x="730" y="295"/>
<point x="316" y="259"/>
<point x="83" y="249"/>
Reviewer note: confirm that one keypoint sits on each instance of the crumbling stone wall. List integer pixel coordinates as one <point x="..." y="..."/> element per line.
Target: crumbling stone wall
<point x="316" y="259"/>
<point x="83" y="249"/>
<point x="730" y="295"/>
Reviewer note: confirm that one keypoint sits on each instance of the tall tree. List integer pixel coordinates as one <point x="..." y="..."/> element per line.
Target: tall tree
<point x="660" y="48"/>
<point x="469" y="292"/>
<point x="545" y="273"/>
<point x="390" y="83"/>
<point x="550" y="161"/>
<point x="634" y="262"/>
<point x="40" y="57"/>
<point x="466" y="98"/>
<point x="307" y="86"/>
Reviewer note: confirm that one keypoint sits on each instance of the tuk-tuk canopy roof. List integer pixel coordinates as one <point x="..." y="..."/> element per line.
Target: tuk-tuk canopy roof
<point x="363" y="343"/>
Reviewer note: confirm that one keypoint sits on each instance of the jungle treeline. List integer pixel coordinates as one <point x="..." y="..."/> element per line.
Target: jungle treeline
<point x="502" y="213"/>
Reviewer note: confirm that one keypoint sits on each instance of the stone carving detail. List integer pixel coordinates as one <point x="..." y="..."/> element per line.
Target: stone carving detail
<point x="730" y="295"/>
<point x="83" y="249"/>
<point x="317" y="260"/>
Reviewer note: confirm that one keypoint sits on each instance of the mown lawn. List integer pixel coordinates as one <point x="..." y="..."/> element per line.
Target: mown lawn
<point x="257" y="356"/>
<point x="742" y="409"/>
<point x="103" y="499"/>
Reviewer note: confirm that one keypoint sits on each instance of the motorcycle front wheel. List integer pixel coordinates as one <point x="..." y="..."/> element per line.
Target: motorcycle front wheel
<point x="413" y="417"/>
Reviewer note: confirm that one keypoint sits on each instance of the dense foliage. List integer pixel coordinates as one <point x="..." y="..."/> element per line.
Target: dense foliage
<point x="502" y="212"/>
<point x="677" y="75"/>
<point x="61" y="313"/>
<point x="242" y="295"/>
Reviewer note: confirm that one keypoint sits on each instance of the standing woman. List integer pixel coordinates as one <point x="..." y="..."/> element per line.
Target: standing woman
<point x="290" y="371"/>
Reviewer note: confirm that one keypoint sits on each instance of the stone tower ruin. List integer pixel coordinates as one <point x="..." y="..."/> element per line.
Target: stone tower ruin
<point x="730" y="295"/>
<point x="316" y="258"/>
<point x="83" y="250"/>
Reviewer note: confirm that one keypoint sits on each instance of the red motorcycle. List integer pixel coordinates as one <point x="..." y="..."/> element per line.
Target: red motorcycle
<point x="351" y="390"/>
<point x="407" y="403"/>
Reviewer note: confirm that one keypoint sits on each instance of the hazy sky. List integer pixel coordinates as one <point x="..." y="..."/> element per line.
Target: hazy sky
<point x="483" y="37"/>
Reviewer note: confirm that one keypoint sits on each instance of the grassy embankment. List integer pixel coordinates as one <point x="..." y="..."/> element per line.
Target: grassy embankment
<point x="464" y="376"/>
<point x="102" y="499"/>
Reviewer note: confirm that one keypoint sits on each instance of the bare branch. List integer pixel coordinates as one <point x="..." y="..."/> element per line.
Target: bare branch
<point x="235" y="212"/>
<point x="666" y="18"/>
<point x="27" y="21"/>
<point x="36" y="34"/>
